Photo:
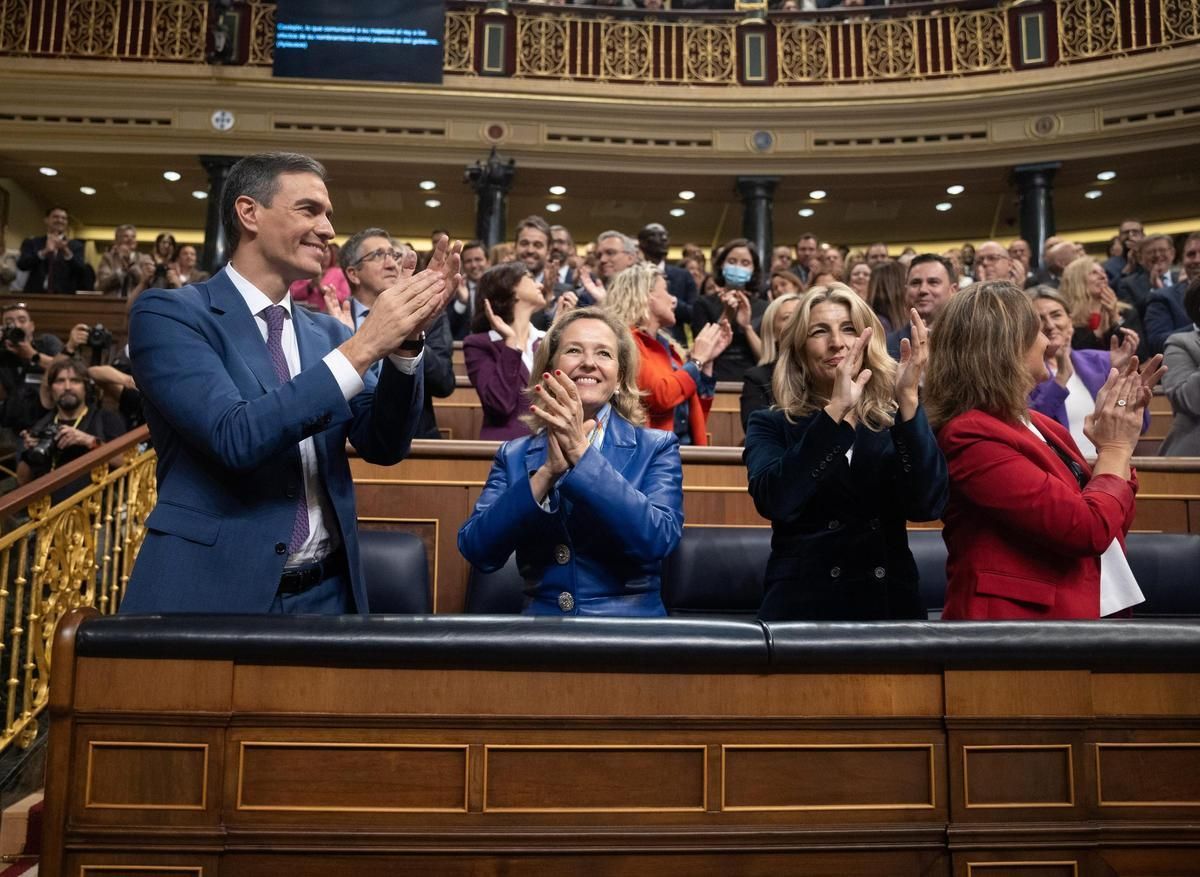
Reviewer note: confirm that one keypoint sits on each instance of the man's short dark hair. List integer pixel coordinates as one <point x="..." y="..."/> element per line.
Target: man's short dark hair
<point x="257" y="177"/>
<point x="350" y="250"/>
<point x="475" y="245"/>
<point x="64" y="363"/>
<point x="63" y="209"/>
<point x="533" y="222"/>
<point x="933" y="257"/>
<point x="14" y="306"/>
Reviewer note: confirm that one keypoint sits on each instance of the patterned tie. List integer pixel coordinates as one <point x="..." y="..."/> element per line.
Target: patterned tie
<point x="275" y="315"/>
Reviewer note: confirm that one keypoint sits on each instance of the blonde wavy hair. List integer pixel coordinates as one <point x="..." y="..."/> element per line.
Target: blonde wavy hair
<point x="1074" y="288"/>
<point x="977" y="353"/>
<point x="626" y="398"/>
<point x="792" y="384"/>
<point x="628" y="299"/>
<point x="770" y="344"/>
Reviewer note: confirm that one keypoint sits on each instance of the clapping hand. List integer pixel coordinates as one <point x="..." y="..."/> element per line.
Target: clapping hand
<point x="849" y="378"/>
<point x="559" y="407"/>
<point x="1121" y="351"/>
<point x="914" y="356"/>
<point x="341" y="311"/>
<point x="591" y="286"/>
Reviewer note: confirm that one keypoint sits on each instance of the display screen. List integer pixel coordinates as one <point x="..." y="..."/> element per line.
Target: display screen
<point x="380" y="40"/>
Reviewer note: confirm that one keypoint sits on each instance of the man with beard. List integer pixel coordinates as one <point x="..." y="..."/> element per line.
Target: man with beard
<point x="71" y="429"/>
<point x="654" y="243"/>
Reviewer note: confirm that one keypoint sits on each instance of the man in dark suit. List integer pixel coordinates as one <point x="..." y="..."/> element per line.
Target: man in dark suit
<point x="54" y="262"/>
<point x="250" y="402"/>
<point x="654" y="243"/>
<point x="1165" y="313"/>
<point x="931" y="281"/>
<point x="462" y="308"/>
<point x="1130" y="233"/>
<point x="1156" y="255"/>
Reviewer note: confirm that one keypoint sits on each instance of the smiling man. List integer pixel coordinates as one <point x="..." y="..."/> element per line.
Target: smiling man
<point x="931" y="282"/>
<point x="250" y="402"/>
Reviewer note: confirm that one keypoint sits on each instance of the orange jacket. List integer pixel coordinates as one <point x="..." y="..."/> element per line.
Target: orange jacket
<point x="667" y="387"/>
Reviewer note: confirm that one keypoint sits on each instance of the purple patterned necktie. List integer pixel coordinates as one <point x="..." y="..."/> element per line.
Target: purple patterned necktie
<point x="275" y="315"/>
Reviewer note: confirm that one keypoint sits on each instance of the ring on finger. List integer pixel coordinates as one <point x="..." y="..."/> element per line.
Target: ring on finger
<point x="1121" y="403"/>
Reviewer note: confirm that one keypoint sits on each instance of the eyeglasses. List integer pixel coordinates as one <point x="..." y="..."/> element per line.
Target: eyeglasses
<point x="987" y="258"/>
<point x="381" y="253"/>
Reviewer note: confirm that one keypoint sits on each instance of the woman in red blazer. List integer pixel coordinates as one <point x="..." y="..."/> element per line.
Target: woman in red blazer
<point x="1028" y="524"/>
<point x="667" y="378"/>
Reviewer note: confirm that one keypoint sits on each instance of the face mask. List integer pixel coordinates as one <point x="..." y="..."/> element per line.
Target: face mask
<point x="736" y="276"/>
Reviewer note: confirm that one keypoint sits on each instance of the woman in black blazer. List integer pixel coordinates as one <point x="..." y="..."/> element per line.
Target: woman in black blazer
<point x="756" y="384"/>
<point x="841" y="463"/>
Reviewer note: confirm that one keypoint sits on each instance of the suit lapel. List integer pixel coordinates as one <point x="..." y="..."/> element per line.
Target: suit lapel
<point x="620" y="442"/>
<point x="1054" y="431"/>
<point x="240" y="324"/>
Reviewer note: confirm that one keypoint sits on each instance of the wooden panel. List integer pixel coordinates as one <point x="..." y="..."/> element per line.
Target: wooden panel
<point x="1148" y="774"/>
<point x="1025" y="868"/>
<point x="141" y="870"/>
<point x="576" y="778"/>
<point x="1030" y="775"/>
<point x="57" y="314"/>
<point x="1018" y="693"/>
<point x="116" y="684"/>
<point x="829" y="777"/>
<point x="351" y="777"/>
<point x="147" y="776"/>
<point x="1158" y="515"/>
<point x="1143" y="694"/>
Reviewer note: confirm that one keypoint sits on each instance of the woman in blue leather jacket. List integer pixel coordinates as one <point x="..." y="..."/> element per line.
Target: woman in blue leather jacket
<point x="591" y="502"/>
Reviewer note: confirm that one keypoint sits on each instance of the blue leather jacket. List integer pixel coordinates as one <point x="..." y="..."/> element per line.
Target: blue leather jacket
<point x="612" y="520"/>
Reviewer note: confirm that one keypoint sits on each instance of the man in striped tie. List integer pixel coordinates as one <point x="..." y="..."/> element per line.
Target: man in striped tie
<point x="251" y="400"/>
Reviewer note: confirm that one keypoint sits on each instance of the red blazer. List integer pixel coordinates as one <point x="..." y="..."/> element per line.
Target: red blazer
<point x="666" y="387"/>
<point x="1023" y="540"/>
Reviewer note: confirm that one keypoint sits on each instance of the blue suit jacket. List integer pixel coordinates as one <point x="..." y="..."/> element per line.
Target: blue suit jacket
<point x="614" y="517"/>
<point x="227" y="435"/>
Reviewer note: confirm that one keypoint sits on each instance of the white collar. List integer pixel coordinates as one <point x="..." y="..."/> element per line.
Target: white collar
<point x="254" y="297"/>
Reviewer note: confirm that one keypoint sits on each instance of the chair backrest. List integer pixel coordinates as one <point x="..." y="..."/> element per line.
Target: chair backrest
<point x="496" y="593"/>
<point x="717" y="571"/>
<point x="396" y="572"/>
<point x="1167" y="567"/>
<point x="929" y="552"/>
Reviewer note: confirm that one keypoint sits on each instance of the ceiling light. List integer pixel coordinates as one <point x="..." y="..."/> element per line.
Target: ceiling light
<point x="199" y="194"/>
<point x="806" y="212"/>
<point x="427" y="185"/>
<point x="687" y="194"/>
<point x="558" y="190"/>
<point x="48" y="171"/>
<point x="553" y="207"/>
<point x="1106" y="175"/>
<point x="677" y="212"/>
<point x="944" y="206"/>
<point x="955" y="190"/>
<point x="1093" y="194"/>
<point x="817" y="194"/>
<point x="87" y="190"/>
<point x="172" y="176"/>
<point x="433" y="202"/>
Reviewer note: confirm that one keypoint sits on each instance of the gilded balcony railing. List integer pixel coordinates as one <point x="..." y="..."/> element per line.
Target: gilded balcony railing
<point x="56" y="557"/>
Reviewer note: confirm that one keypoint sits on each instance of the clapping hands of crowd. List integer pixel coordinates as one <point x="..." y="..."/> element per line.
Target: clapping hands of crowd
<point x="914" y="356"/>
<point x="591" y="286"/>
<point x="737" y="306"/>
<point x="711" y="343"/>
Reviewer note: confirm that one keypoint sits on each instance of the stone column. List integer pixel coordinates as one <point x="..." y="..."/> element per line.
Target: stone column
<point x="758" y="199"/>
<point x="491" y="181"/>
<point x="1035" y="188"/>
<point x="216" y="245"/>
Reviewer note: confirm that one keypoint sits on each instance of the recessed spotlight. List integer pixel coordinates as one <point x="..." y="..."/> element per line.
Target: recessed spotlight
<point x="553" y="207"/>
<point x="199" y="194"/>
<point x="687" y="194"/>
<point x="433" y="202"/>
<point x="428" y="185"/>
<point x="817" y="194"/>
<point x="172" y="176"/>
<point x="1105" y="176"/>
<point x="558" y="190"/>
<point x="944" y="206"/>
<point x="677" y="212"/>
<point x="87" y="190"/>
<point x="806" y="212"/>
<point x="48" y="171"/>
<point x="955" y="190"/>
<point x="1093" y="194"/>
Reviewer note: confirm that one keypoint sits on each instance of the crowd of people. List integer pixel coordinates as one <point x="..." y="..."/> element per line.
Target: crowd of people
<point x="878" y="389"/>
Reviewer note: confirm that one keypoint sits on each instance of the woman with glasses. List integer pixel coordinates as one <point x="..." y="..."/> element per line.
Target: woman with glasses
<point x="499" y="353"/>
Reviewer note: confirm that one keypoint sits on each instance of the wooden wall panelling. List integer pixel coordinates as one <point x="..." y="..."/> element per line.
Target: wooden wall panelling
<point x="57" y="314"/>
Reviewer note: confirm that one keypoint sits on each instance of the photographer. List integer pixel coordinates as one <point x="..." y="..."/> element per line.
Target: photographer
<point x="23" y="362"/>
<point x="54" y="262"/>
<point x="71" y="429"/>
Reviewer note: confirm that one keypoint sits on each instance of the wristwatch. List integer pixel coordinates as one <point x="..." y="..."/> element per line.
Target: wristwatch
<point x="699" y="362"/>
<point x="413" y="345"/>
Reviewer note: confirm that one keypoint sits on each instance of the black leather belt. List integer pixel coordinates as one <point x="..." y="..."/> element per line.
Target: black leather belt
<point x="302" y="578"/>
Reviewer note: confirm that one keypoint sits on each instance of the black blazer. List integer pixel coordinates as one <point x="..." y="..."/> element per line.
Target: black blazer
<point x="839" y="545"/>
<point x="756" y="391"/>
<point x="682" y="285"/>
<point x="66" y="275"/>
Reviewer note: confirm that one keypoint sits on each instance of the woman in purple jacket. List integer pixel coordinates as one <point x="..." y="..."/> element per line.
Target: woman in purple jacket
<point x="1069" y="394"/>
<point x="500" y="352"/>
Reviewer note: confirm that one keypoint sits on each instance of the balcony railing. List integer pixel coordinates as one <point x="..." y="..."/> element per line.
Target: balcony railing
<point x="539" y="42"/>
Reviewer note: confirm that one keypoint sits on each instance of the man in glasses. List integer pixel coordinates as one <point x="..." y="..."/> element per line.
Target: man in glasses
<point x="372" y="260"/>
<point x="250" y="402"/>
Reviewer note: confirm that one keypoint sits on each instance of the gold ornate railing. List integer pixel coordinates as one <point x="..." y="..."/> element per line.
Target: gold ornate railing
<point x="601" y="45"/>
<point x="58" y="557"/>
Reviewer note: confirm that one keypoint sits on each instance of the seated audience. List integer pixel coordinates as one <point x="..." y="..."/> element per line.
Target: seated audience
<point x="183" y="271"/>
<point x="311" y="293"/>
<point x="858" y="275"/>
<point x="886" y="293"/>
<point x="55" y="262"/>
<point x="1182" y="381"/>
<point x="1069" y="394"/>
<point x="1029" y="526"/>
<point x="737" y="273"/>
<point x="756" y="385"/>
<point x="1096" y="313"/>
<point x="1165" y="313"/>
<point x="841" y="463"/>
<point x="784" y="283"/>
<point x="500" y="352"/>
<point x="677" y="391"/>
<point x="592" y="502"/>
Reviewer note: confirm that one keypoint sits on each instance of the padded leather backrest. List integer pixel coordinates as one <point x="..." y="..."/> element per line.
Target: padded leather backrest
<point x="929" y="551"/>
<point x="396" y="572"/>
<point x="717" y="571"/>
<point x="1167" y="567"/>
<point x="496" y="593"/>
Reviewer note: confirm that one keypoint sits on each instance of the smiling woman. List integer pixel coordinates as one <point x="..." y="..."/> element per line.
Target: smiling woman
<point x="592" y="502"/>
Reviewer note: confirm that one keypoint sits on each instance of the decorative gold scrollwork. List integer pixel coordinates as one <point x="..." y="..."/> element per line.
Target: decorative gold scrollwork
<point x="91" y="27"/>
<point x="459" y="49"/>
<point x="625" y="50"/>
<point x="803" y="53"/>
<point x="981" y="41"/>
<point x="1181" y="19"/>
<point x="15" y="18"/>
<point x="1088" y="28"/>
<point x="541" y="46"/>
<point x="262" y="33"/>
<point x="709" y="54"/>
<point x="889" y="49"/>
<point x="179" y="30"/>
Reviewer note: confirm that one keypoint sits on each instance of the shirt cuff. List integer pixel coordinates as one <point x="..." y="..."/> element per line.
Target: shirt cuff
<point x="347" y="378"/>
<point x="407" y="365"/>
<point x="460" y="307"/>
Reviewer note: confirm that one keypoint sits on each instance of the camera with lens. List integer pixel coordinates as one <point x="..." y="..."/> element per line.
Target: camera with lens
<point x="14" y="335"/>
<point x="99" y="337"/>
<point x="39" y="454"/>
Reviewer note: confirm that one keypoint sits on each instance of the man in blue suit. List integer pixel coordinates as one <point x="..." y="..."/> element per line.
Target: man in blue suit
<point x="250" y="401"/>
